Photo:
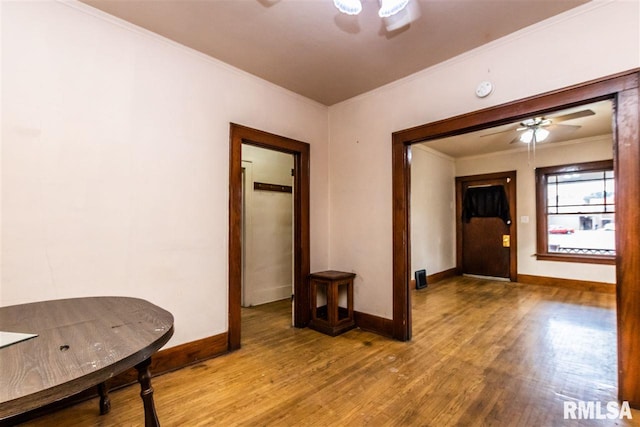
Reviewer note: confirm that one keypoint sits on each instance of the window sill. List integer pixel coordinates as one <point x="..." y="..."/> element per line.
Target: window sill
<point x="585" y="259"/>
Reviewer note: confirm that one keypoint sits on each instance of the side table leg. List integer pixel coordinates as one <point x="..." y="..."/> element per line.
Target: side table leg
<point x="105" y="401"/>
<point x="144" y="378"/>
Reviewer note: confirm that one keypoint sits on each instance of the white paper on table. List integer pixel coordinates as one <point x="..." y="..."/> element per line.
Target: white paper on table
<point x="8" y="338"/>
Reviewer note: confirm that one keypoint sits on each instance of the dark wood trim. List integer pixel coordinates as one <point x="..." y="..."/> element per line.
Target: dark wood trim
<point x="623" y="89"/>
<point x="581" y="285"/>
<point x="440" y="276"/>
<point x="261" y="186"/>
<point x="572" y="96"/>
<point x="375" y="324"/>
<point x="597" y="165"/>
<point x="627" y="174"/>
<point x="542" y="236"/>
<point x="235" y="238"/>
<point x="401" y="183"/>
<point x="585" y="259"/>
<point x="511" y="189"/>
<point x="178" y="357"/>
<point x="162" y="362"/>
<point x="301" y="252"/>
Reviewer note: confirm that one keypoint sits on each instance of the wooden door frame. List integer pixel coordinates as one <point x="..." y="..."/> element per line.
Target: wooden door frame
<point x="301" y="251"/>
<point x="623" y="89"/>
<point x="513" y="229"/>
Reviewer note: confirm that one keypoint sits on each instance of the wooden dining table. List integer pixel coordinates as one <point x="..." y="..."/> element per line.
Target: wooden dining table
<point x="80" y="343"/>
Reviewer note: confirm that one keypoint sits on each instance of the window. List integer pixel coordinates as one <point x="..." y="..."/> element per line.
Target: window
<point x="576" y="212"/>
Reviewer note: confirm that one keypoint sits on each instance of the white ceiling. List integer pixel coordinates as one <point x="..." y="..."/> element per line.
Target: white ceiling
<point x="307" y="46"/>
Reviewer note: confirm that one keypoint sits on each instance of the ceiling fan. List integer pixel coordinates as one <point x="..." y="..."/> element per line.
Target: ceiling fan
<point x="538" y="129"/>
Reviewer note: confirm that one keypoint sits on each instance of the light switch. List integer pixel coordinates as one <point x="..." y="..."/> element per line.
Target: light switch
<point x="524" y="219"/>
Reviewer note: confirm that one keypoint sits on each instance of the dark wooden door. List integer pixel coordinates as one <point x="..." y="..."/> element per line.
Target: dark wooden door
<point x="486" y="245"/>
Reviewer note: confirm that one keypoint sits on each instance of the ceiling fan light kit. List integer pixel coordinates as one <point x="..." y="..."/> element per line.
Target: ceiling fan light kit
<point x="387" y="7"/>
<point x="536" y="134"/>
<point x="534" y="130"/>
<point x="391" y="7"/>
<point x="538" y="129"/>
<point x="350" y="7"/>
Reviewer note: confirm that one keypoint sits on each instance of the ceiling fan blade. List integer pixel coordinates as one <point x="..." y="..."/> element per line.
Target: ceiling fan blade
<point x="549" y="123"/>
<point x="571" y="116"/>
<point x="517" y="140"/>
<point x="496" y="133"/>
<point x="563" y="127"/>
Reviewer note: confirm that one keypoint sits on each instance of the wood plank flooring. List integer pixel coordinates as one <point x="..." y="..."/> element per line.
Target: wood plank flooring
<point x="483" y="353"/>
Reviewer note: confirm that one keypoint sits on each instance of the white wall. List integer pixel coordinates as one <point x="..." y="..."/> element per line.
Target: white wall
<point x="115" y="152"/>
<point x="115" y="170"/>
<point x="595" y="40"/>
<point x="433" y="226"/>
<point x="599" y="148"/>
<point x="268" y="231"/>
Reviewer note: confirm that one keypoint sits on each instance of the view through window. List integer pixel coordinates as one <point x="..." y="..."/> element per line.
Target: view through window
<point x="578" y="217"/>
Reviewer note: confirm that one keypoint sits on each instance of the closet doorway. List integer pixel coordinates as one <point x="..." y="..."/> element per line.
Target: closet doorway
<point x="243" y="136"/>
<point x="267" y="225"/>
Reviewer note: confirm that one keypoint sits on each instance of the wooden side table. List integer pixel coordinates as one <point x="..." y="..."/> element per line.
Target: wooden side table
<point x="328" y="288"/>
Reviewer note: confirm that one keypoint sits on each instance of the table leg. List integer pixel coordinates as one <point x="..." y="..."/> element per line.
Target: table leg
<point x="105" y="401"/>
<point x="144" y="378"/>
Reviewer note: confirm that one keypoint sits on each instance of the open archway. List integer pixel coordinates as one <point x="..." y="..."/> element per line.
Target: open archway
<point x="623" y="90"/>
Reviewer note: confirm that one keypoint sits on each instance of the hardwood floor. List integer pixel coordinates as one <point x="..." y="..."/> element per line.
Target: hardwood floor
<point x="484" y="353"/>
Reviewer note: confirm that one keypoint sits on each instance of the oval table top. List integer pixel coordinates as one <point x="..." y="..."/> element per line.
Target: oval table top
<point x="81" y="342"/>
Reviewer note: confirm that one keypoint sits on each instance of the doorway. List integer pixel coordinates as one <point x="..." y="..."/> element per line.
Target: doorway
<point x="623" y="89"/>
<point x="267" y="226"/>
<point x="240" y="135"/>
<point x="486" y="234"/>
